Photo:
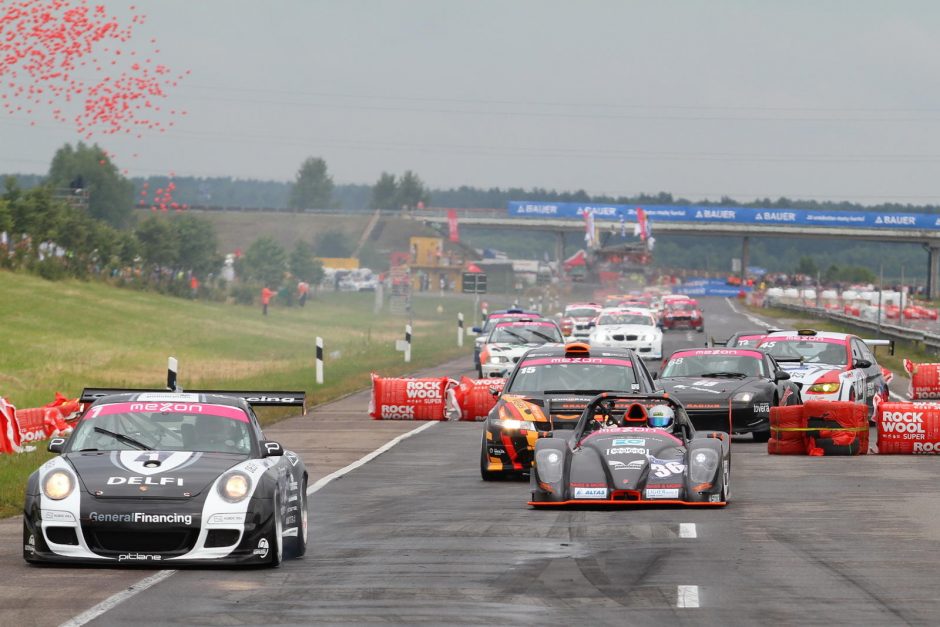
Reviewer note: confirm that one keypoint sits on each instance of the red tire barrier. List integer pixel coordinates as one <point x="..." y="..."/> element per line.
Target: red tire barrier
<point x="475" y="397"/>
<point x="819" y="428"/>
<point x="909" y="428"/>
<point x="786" y="447"/>
<point x="413" y="399"/>
<point x="925" y="380"/>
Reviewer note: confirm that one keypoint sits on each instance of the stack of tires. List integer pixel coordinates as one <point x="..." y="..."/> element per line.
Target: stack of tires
<point x="787" y="431"/>
<point x="819" y="428"/>
<point x="836" y="428"/>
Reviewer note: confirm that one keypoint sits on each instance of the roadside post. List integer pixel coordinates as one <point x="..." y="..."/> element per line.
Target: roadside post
<point x="460" y="329"/>
<point x="319" y="360"/>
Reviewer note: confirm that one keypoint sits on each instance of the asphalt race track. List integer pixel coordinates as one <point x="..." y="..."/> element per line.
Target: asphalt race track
<point x="415" y="537"/>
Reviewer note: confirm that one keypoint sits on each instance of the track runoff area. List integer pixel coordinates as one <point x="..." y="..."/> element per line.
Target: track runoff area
<point x="409" y="534"/>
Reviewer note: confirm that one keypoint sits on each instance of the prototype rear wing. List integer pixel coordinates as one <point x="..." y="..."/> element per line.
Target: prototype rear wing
<point x="875" y="343"/>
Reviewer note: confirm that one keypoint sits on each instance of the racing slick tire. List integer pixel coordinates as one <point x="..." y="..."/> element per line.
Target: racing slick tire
<point x="701" y="329"/>
<point x="761" y="436"/>
<point x="296" y="546"/>
<point x="277" y="544"/>
<point x="486" y="473"/>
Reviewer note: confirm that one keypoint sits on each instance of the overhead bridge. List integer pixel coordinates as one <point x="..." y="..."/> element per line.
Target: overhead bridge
<point x="743" y="222"/>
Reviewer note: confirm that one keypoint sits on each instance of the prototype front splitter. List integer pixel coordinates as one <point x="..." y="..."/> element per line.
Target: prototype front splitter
<point x="627" y="503"/>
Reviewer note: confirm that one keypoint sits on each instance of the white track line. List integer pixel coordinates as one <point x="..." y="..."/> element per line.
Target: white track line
<point x="687" y="596"/>
<point x="321" y="482"/>
<point x="687" y="530"/>
<point x="752" y="319"/>
<point x="116" y="599"/>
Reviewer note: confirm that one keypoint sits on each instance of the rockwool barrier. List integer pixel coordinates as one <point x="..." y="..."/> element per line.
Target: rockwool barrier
<point x="476" y="397"/>
<point x="925" y="380"/>
<point x="21" y="426"/>
<point x="413" y="399"/>
<point x="434" y="398"/>
<point x="909" y="428"/>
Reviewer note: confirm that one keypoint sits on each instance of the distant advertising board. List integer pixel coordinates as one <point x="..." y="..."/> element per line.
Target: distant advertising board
<point x="736" y="215"/>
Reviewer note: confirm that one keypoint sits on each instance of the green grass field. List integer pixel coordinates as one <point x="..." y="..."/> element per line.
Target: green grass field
<point x="63" y="336"/>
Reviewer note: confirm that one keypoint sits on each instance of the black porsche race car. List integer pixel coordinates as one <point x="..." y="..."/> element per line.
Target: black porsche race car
<point x="729" y="389"/>
<point x="615" y="457"/>
<point x="165" y="479"/>
<point x="548" y="390"/>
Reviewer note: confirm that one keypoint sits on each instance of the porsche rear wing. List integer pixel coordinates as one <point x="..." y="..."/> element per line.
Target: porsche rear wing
<point x="876" y="343"/>
<point x="255" y="398"/>
<point x="259" y="398"/>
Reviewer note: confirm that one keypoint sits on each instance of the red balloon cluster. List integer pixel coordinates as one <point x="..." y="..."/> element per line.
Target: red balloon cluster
<point x="162" y="198"/>
<point x="70" y="56"/>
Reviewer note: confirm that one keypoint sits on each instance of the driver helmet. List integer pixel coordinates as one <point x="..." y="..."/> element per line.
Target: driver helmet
<point x="661" y="417"/>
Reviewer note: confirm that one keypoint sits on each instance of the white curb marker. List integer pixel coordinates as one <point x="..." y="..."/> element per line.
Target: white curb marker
<point x="687" y="596"/>
<point x="687" y="530"/>
<point x="91" y="614"/>
<point x="322" y="481"/>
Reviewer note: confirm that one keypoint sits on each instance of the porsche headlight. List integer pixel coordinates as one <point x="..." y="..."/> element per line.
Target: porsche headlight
<point x="514" y="425"/>
<point x="499" y="359"/>
<point x="824" y="388"/>
<point x="743" y="397"/>
<point x="703" y="466"/>
<point x="235" y="486"/>
<point x="549" y="465"/>
<point x="58" y="485"/>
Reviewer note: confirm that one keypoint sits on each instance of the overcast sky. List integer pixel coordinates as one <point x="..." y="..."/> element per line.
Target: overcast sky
<point x="808" y="99"/>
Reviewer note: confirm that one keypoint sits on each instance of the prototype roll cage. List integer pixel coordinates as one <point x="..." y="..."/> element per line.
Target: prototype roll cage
<point x="629" y="410"/>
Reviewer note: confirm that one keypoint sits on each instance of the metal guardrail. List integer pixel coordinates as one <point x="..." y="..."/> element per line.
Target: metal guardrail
<point x="930" y="341"/>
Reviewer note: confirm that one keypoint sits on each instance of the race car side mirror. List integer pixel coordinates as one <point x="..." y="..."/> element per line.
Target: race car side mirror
<point x="862" y="363"/>
<point x="781" y="375"/>
<point x="476" y="330"/>
<point x="56" y="445"/>
<point x="494" y="391"/>
<point x="272" y="449"/>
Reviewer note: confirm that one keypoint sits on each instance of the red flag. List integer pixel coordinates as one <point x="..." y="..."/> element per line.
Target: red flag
<point x="452" y="223"/>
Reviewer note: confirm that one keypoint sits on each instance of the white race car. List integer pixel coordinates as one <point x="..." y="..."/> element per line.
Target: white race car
<point x="509" y="341"/>
<point x="635" y="329"/>
<point x="830" y="366"/>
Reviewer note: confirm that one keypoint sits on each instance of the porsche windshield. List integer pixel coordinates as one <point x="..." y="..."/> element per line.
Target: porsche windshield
<point x="163" y="427"/>
<point x="544" y="374"/>
<point x="626" y="318"/>
<point x="814" y="351"/>
<point x="686" y="365"/>
<point x="533" y="334"/>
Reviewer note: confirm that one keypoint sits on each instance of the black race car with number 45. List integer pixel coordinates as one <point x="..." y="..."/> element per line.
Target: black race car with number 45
<point x="633" y="449"/>
<point x="729" y="389"/>
<point x="159" y="478"/>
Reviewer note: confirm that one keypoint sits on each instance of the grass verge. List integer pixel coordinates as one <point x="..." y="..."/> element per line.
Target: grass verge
<point x="67" y="335"/>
